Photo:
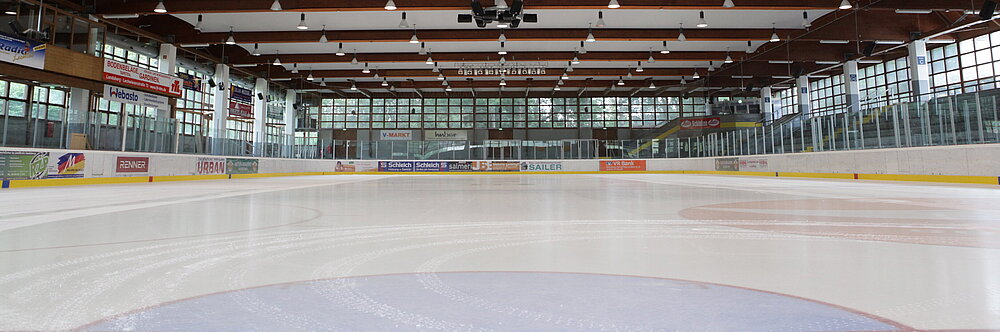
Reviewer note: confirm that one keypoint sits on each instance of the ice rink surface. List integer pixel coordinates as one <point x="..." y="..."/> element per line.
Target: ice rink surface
<point x="628" y="252"/>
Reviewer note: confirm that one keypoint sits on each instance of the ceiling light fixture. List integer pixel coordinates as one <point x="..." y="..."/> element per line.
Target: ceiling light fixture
<point x="575" y="60"/>
<point x="232" y="38"/>
<point x="560" y="82"/>
<point x="501" y="4"/>
<point x="556" y="88"/>
<point x="503" y="82"/>
<point x="256" y="50"/>
<point x="340" y="50"/>
<point x="385" y="82"/>
<point x="414" y="40"/>
<point x="276" y="5"/>
<point x="277" y="61"/>
<point x="295" y="68"/>
<point x="651" y="59"/>
<point x="664" y="50"/>
<point x="701" y="22"/>
<point x="805" y="20"/>
<point x="629" y="76"/>
<point x="435" y="69"/>
<point x="749" y="47"/>
<point x="620" y="81"/>
<point x="376" y="73"/>
<point x="447" y="88"/>
<point x="565" y="76"/>
<point x="569" y="66"/>
<point x="711" y="66"/>
<point x="353" y="87"/>
<point x="502" y="37"/>
<point x="440" y="77"/>
<point x="323" y="39"/>
<point x="503" y="60"/>
<point x="302" y="22"/>
<point x="600" y="19"/>
<point x="845" y="4"/>
<point x="774" y="34"/>
<point x="197" y="27"/>
<point x="696" y="76"/>
<point x="430" y="61"/>
<point x="590" y="35"/>
<point x="423" y="49"/>
<point x="681" y="36"/>
<point x="683" y="81"/>
<point x="310" y="77"/>
<point x="402" y="23"/>
<point x="583" y="50"/>
<point x="390" y="5"/>
<point x="728" y="4"/>
<point x="834" y="41"/>
<point x="366" y="70"/>
<point x="160" y="8"/>
<point x="639" y="68"/>
<point x="503" y="49"/>
<point x="729" y="59"/>
<point x="614" y="4"/>
<point x="651" y="85"/>
<point x="354" y="59"/>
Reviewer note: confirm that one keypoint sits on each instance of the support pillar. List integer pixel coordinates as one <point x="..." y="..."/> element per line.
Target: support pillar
<point x="920" y="81"/>
<point x="805" y="100"/>
<point x="221" y="109"/>
<point x="852" y="90"/>
<point x="290" y="124"/>
<point x="767" y="104"/>
<point x="260" y="116"/>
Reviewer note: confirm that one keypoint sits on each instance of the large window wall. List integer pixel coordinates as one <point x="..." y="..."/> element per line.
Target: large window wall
<point x="967" y="66"/>
<point x="485" y="113"/>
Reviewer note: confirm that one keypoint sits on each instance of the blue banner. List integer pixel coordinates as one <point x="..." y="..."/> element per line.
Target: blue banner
<point x="22" y="51"/>
<point x="395" y="166"/>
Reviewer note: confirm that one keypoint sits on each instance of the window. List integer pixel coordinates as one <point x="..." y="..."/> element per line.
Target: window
<point x="828" y="95"/>
<point x="130" y="57"/>
<point x="967" y="66"/>
<point x="884" y="83"/>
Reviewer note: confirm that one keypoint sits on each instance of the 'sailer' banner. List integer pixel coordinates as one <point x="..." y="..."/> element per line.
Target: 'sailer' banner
<point x="130" y="75"/>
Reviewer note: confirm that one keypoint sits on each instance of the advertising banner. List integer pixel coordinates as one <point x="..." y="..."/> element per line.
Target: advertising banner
<point x="396" y="135"/>
<point x="496" y="166"/>
<point x="67" y="166"/>
<point x="129" y="96"/>
<point x="242" y="95"/>
<point x="430" y="166"/>
<point x="23" y="165"/>
<point x="752" y="164"/>
<point x="132" y="165"/>
<point x="22" y="51"/>
<point x="460" y="166"/>
<point x="446" y="135"/>
<point x="727" y="164"/>
<point x="191" y="82"/>
<point x="240" y="110"/>
<point x="130" y="75"/>
<point x="623" y="165"/>
<point x="541" y="166"/>
<point x="242" y="166"/>
<point x="395" y="166"/>
<point x="701" y="123"/>
<point x="350" y="166"/>
<point x="210" y="166"/>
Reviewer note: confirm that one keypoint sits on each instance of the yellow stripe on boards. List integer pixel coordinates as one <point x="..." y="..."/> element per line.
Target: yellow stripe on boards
<point x="190" y="177"/>
<point x="849" y="176"/>
<point x="76" y="182"/>
<point x="931" y="178"/>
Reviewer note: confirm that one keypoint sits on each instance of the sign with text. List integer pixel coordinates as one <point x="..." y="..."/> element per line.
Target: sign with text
<point x="240" y="110"/>
<point x="210" y="166"/>
<point x="623" y="165"/>
<point x="135" y="97"/>
<point x="191" y="82"/>
<point x="395" y="166"/>
<point x="701" y="123"/>
<point x="396" y="135"/>
<point x="727" y="164"/>
<point x="23" y="165"/>
<point x="20" y="51"/>
<point x="130" y="75"/>
<point x="753" y="164"/>
<point x="541" y="166"/>
<point x="242" y="166"/>
<point x="496" y="166"/>
<point x="446" y="135"/>
<point x="132" y="164"/>
<point x="67" y="166"/>
<point x="349" y="166"/>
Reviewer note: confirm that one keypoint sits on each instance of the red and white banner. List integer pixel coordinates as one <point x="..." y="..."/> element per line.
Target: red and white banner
<point x="622" y="165"/>
<point x="130" y="75"/>
<point x="701" y="123"/>
<point x="240" y="110"/>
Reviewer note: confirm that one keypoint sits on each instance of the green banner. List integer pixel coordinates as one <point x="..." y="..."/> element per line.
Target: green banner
<point x="241" y="166"/>
<point x="23" y="165"/>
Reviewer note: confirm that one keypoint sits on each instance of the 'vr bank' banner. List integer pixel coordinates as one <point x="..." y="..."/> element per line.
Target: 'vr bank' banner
<point x="21" y="51"/>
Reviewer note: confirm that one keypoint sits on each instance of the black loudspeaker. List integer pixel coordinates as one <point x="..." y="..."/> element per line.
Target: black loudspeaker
<point x="869" y="49"/>
<point x="464" y="18"/>
<point x="211" y="82"/>
<point x="260" y="96"/>
<point x="530" y="18"/>
<point x="989" y="7"/>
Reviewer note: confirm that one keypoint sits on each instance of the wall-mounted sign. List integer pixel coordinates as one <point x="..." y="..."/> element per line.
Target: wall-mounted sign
<point x="701" y="123"/>
<point x="23" y="165"/>
<point x="130" y="75"/>
<point x="191" y="82"/>
<point x="69" y="165"/>
<point x="396" y="135"/>
<point x="129" y="96"/>
<point x="240" y="110"/>
<point x="623" y="165"/>
<point x="446" y="135"/>
<point x="242" y="95"/>
<point x="242" y="166"/>
<point x="21" y="51"/>
<point x="132" y="165"/>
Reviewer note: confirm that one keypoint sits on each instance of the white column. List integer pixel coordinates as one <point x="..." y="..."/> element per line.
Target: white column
<point x="76" y="114"/>
<point x="259" y="116"/>
<point x="167" y="65"/>
<point x="290" y="99"/>
<point x="805" y="101"/>
<point x="851" y="88"/>
<point x="221" y="108"/>
<point x="767" y="104"/>
<point x="920" y="81"/>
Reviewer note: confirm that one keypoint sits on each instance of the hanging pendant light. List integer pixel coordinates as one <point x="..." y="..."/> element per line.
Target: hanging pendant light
<point x="390" y="5"/>
<point x="502" y="37"/>
<point x="435" y="69"/>
<point x="502" y="50"/>
<point x="569" y="67"/>
<point x="310" y="77"/>
<point x="681" y="36"/>
<point x="340" y="50"/>
<point x="353" y="87"/>
<point x="366" y="70"/>
<point x="664" y="50"/>
<point x="774" y="34"/>
<point x="376" y="73"/>
<point x="728" y="4"/>
<point x="256" y="50"/>
<point x="385" y="82"/>
<point x="629" y="76"/>
<point x="844" y="4"/>
<point x="583" y="50"/>
<point x="503" y="82"/>
<point x="560" y="82"/>
<point x="565" y="76"/>
<point x="160" y="8"/>
<point x="600" y="19"/>
<point x="729" y="59"/>
<point x="440" y="77"/>
<point x="575" y="60"/>
<point x="620" y="81"/>
<point x="749" y="47"/>
<point x="302" y="22"/>
<point x="590" y="35"/>
<point x="614" y="4"/>
<point x="503" y="60"/>
<point x="683" y="81"/>
<point x="711" y="66"/>
<point x="805" y="20"/>
<point x="696" y="76"/>
<point x="232" y="38"/>
<point x="354" y="60"/>
<point x="277" y="61"/>
<point x="276" y="5"/>
<point x="323" y="39"/>
<point x="639" y="68"/>
<point x="701" y="22"/>
<point x="414" y="40"/>
<point x="651" y="85"/>
<point x="430" y="60"/>
<point x="556" y="88"/>
<point x="447" y="88"/>
<point x="402" y="23"/>
<point x="197" y="27"/>
<point x="295" y="68"/>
